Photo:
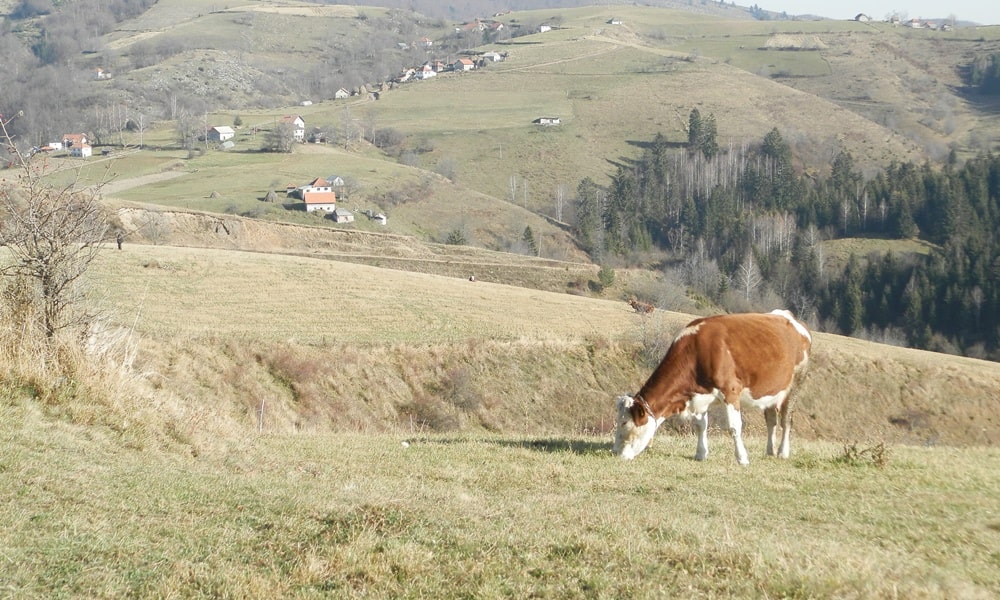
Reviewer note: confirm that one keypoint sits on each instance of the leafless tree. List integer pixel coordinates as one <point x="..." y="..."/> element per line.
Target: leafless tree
<point x="51" y="234"/>
<point x="560" y="201"/>
<point x="280" y="138"/>
<point x="748" y="276"/>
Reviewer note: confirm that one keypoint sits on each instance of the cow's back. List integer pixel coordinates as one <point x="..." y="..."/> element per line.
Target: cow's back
<point x="762" y="351"/>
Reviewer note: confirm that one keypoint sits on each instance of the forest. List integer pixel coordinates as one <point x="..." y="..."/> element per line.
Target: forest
<point x="745" y="230"/>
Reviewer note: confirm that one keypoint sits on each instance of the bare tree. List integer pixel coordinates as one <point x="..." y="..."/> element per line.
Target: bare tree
<point x="52" y="234"/>
<point x="560" y="201"/>
<point x="748" y="276"/>
<point x="280" y="138"/>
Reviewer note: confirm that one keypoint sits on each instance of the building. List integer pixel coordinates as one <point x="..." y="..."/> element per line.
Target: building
<point x="221" y="133"/>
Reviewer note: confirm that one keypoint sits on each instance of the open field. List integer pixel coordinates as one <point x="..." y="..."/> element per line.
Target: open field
<point x="365" y="515"/>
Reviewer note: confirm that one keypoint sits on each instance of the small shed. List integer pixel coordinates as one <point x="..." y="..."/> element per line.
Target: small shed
<point x="342" y="215"/>
<point x="547" y="121"/>
<point x="221" y="133"/>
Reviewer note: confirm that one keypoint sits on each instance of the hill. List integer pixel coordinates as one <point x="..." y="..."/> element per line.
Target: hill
<point x="882" y="93"/>
<point x="338" y="346"/>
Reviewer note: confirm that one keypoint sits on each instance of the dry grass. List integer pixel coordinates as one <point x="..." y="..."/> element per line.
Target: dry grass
<point x="430" y="343"/>
<point x="361" y="515"/>
<point x="195" y="292"/>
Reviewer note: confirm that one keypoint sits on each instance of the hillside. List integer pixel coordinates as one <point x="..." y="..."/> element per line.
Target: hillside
<point x="338" y="346"/>
<point x="883" y="94"/>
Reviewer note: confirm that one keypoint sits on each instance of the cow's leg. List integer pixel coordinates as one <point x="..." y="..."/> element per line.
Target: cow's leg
<point x="771" y="418"/>
<point x="785" y="450"/>
<point x="700" y="423"/>
<point x="735" y="419"/>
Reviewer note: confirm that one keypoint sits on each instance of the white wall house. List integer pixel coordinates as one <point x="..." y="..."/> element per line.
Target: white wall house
<point x="221" y="133"/>
<point x="298" y="126"/>
<point x="81" y="151"/>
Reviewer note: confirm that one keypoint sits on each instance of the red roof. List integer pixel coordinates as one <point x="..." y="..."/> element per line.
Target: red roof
<point x="320" y="198"/>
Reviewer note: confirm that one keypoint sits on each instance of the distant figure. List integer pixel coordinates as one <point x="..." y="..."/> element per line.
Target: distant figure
<point x="472" y="277"/>
<point x="118" y="238"/>
<point x="643" y="308"/>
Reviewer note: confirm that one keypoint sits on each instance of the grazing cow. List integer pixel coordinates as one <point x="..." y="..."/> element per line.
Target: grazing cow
<point x="741" y="358"/>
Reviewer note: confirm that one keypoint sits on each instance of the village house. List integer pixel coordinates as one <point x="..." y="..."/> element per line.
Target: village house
<point x="221" y="133"/>
<point x="318" y="195"/>
<point x="298" y="126"/>
<point x="426" y="72"/>
<point x="341" y="94"/>
<point x="342" y="215"/>
<point x="547" y="121"/>
<point x="71" y="139"/>
<point x="425" y="42"/>
<point x="81" y="151"/>
<point x="463" y="64"/>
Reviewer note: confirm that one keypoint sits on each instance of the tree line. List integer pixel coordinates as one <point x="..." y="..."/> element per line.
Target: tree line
<point x="744" y="230"/>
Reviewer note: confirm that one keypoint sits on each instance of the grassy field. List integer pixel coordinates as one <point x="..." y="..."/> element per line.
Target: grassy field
<point x="190" y="292"/>
<point x="487" y="516"/>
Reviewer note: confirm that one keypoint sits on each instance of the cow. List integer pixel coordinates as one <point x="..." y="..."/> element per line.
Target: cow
<point x="643" y="308"/>
<point x="740" y="358"/>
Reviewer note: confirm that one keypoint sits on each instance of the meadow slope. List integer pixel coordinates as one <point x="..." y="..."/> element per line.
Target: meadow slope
<point x="340" y="345"/>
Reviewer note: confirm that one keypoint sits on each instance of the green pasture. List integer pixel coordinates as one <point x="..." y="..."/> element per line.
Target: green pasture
<point x="242" y="177"/>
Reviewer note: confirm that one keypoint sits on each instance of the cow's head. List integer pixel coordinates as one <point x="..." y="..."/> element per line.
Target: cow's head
<point x="630" y="437"/>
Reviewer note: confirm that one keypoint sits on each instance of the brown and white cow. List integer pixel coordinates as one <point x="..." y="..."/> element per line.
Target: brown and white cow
<point x="741" y="359"/>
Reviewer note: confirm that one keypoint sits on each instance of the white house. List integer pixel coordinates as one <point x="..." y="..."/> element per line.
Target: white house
<point x="341" y="94"/>
<point x="81" y="151"/>
<point x="221" y="133"/>
<point x="463" y="64"/>
<point x="426" y="72"/>
<point x="73" y="139"/>
<point x="335" y="181"/>
<point x="318" y="195"/>
<point x="298" y="126"/>
<point x="544" y="28"/>
<point x="547" y="121"/>
<point x="316" y="185"/>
